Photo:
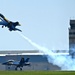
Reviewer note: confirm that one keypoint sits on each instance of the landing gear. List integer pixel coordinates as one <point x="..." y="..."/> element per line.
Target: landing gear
<point x="10" y="30"/>
<point x="16" y="68"/>
<point x="2" y="26"/>
<point x="19" y="68"/>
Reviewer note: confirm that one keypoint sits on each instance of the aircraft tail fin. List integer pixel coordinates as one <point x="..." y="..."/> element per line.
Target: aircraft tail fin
<point x="27" y="60"/>
<point x="22" y="60"/>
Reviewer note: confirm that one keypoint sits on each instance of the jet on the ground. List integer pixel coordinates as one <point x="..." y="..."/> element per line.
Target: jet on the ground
<point x="9" y="24"/>
<point x="18" y="64"/>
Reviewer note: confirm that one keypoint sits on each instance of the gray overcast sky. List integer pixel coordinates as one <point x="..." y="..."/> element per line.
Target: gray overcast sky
<point x="45" y="22"/>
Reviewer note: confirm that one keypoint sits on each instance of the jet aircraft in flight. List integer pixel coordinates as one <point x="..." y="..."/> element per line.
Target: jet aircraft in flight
<point x="9" y="24"/>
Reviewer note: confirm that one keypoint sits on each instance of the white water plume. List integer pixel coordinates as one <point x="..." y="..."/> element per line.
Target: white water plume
<point x="65" y="62"/>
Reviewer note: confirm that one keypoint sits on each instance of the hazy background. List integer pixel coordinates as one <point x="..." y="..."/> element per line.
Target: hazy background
<point x="45" y="22"/>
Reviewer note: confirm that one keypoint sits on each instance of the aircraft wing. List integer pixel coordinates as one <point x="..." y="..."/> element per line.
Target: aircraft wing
<point x="2" y="22"/>
<point x="28" y="63"/>
<point x="15" y="63"/>
<point x="11" y="63"/>
<point x="18" y="63"/>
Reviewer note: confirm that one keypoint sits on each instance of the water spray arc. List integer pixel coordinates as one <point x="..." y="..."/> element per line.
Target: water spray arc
<point x="63" y="61"/>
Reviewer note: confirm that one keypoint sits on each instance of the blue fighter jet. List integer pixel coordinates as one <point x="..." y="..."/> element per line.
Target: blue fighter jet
<point x="18" y="64"/>
<point x="9" y="24"/>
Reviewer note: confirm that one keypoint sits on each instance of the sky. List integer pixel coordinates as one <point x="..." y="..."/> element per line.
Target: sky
<point x="46" y="22"/>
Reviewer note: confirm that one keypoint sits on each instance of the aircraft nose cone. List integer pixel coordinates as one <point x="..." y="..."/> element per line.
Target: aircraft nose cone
<point x="19" y="24"/>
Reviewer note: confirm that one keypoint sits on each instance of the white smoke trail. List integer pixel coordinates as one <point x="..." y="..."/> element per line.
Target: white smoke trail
<point x="63" y="61"/>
